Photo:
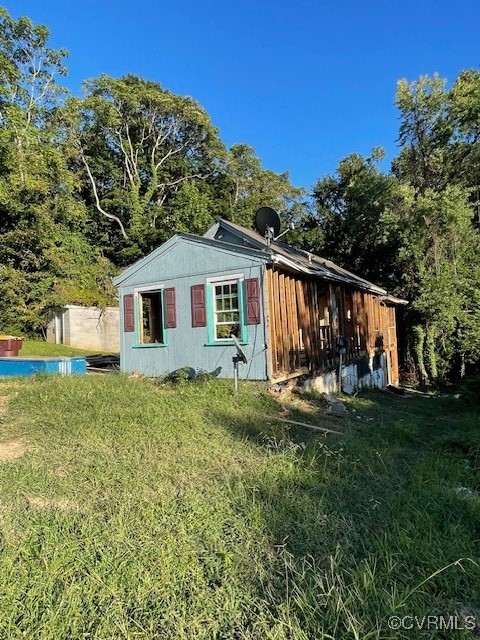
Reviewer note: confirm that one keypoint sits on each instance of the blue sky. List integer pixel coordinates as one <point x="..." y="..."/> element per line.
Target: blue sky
<point x="304" y="82"/>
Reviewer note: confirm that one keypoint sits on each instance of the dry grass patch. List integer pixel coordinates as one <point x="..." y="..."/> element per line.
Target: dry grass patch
<point x="3" y="402"/>
<point x="61" y="504"/>
<point x="12" y="449"/>
<point x="59" y="472"/>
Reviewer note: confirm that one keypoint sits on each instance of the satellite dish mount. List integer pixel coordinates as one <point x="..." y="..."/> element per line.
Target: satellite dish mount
<point x="267" y="222"/>
<point x="240" y="357"/>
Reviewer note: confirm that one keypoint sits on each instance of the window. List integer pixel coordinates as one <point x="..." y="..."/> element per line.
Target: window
<point x="227" y="314"/>
<point x="226" y="310"/>
<point x="151" y="322"/>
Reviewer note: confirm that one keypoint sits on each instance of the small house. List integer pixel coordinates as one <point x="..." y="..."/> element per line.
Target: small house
<point x="294" y="313"/>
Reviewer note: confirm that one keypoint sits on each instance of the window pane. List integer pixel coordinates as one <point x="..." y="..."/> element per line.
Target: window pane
<point x="235" y="329"/>
<point x="224" y="331"/>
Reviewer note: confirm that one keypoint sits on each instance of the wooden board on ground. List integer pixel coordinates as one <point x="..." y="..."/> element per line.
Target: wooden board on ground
<point x="305" y="425"/>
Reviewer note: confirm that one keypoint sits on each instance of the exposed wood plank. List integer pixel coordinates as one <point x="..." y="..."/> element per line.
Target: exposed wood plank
<point x="295" y="331"/>
<point x="289" y="315"/>
<point x="369" y="322"/>
<point x="278" y="324"/>
<point x="313" y="291"/>
<point x="340" y="291"/>
<point x="358" y="321"/>
<point x="302" y="319"/>
<point x="272" y="339"/>
<point x="311" y="294"/>
<point x="284" y="321"/>
<point x="304" y="425"/>
<point x="303" y="371"/>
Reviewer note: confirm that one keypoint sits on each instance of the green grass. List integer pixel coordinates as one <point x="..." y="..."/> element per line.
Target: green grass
<point x="41" y="348"/>
<point x="180" y="512"/>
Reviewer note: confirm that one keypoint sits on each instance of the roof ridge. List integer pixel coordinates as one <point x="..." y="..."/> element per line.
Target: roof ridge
<point x="332" y="269"/>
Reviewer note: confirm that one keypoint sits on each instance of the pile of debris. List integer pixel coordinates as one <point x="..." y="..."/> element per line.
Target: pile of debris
<point x="333" y="406"/>
<point x="99" y="363"/>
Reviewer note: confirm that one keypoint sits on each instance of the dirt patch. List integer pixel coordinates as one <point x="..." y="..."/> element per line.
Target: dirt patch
<point x="59" y="472"/>
<point x="38" y="502"/>
<point x="293" y="400"/>
<point x="12" y="449"/>
<point x="3" y="402"/>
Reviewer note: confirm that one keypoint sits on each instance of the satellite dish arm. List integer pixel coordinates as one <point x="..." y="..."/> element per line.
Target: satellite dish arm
<point x="291" y="227"/>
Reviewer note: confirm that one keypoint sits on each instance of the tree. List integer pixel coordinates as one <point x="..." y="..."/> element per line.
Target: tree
<point x="439" y="163"/>
<point x="28" y="68"/>
<point x="438" y="261"/>
<point x="43" y="249"/>
<point x="425" y="131"/>
<point x="440" y="133"/>
<point x="350" y="207"/>
<point x="138" y="144"/>
<point x="464" y="106"/>
<point x="248" y="186"/>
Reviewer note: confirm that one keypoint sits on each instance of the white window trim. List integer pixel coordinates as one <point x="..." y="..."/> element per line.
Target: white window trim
<point x="227" y="278"/>
<point x="152" y="287"/>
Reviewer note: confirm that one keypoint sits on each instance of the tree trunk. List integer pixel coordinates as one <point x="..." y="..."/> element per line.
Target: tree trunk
<point x="430" y="351"/>
<point x="418" y="345"/>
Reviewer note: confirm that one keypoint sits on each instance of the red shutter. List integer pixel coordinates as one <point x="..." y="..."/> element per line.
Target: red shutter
<point x="252" y="295"/>
<point x="170" y="308"/>
<point x="128" y="313"/>
<point x="199" y="311"/>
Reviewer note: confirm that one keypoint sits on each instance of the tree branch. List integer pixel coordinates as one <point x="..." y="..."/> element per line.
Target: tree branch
<point x="97" y="199"/>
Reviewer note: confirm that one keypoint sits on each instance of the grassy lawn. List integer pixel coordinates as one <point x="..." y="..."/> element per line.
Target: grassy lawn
<point x="42" y="348"/>
<point x="178" y="512"/>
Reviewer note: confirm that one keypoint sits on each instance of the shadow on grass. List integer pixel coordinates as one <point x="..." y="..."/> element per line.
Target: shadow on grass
<point x="368" y="524"/>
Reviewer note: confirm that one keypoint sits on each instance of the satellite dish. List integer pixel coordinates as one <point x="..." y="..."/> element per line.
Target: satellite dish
<point x="267" y="218"/>
<point x="240" y="352"/>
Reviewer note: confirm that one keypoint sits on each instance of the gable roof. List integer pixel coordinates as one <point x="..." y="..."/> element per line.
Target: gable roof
<point x="129" y="271"/>
<point x="300" y="260"/>
<point x="255" y="244"/>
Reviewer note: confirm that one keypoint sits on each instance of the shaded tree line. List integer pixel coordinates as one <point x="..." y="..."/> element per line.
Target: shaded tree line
<point x="89" y="184"/>
<point x="415" y="229"/>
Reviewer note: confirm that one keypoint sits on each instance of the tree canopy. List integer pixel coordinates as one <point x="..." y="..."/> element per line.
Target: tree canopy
<point x="415" y="229"/>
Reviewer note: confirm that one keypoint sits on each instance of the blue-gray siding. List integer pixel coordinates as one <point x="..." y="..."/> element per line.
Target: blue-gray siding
<point x="183" y="264"/>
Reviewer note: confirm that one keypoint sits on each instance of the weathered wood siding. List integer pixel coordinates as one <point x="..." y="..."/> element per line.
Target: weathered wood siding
<point x="183" y="265"/>
<point x="306" y="316"/>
